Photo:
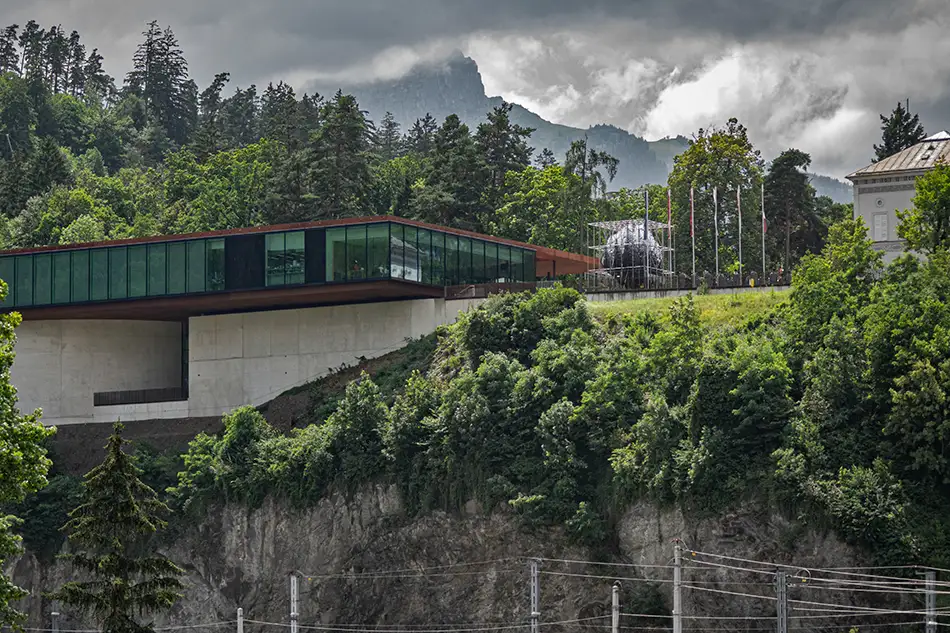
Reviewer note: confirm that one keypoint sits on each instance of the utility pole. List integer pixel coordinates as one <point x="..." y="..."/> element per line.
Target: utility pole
<point x="293" y="603"/>
<point x="677" y="586"/>
<point x="54" y="621"/>
<point x="781" y="603"/>
<point x="535" y="595"/>
<point x="931" y="601"/>
<point x="240" y="620"/>
<point x="615" y="608"/>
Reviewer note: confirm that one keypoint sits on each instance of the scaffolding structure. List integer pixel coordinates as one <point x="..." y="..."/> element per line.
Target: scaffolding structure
<point x="634" y="254"/>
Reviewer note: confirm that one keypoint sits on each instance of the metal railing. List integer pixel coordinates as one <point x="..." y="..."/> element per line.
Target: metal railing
<point x="139" y="396"/>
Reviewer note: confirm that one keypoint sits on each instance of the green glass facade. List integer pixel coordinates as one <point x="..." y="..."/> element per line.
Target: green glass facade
<point x="344" y="254"/>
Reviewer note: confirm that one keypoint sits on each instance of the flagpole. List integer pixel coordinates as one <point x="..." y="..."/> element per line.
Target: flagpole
<point x="669" y="225"/>
<point x="646" y="242"/>
<point x="739" y="211"/>
<point x="716" y="224"/>
<point x="765" y="228"/>
<point x="692" y="229"/>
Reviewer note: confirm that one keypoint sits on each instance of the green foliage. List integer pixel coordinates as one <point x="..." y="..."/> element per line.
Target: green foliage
<point x="23" y="462"/>
<point x="110" y="533"/>
<point x="899" y="131"/>
<point x="926" y="226"/>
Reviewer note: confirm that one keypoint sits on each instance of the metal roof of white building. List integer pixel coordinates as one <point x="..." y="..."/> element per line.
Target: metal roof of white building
<point x="921" y="157"/>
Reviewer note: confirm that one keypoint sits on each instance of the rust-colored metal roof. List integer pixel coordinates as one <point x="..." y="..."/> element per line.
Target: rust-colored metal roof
<point x="921" y="157"/>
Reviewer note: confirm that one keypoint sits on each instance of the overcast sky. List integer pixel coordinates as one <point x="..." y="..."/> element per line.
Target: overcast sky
<point x="812" y="74"/>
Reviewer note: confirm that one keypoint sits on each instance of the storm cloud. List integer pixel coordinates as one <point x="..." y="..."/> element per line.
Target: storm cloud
<point x="807" y="73"/>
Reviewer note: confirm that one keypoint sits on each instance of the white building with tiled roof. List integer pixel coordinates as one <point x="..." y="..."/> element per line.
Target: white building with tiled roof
<point x="880" y="189"/>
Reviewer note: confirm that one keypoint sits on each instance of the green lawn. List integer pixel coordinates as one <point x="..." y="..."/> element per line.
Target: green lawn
<point x="714" y="309"/>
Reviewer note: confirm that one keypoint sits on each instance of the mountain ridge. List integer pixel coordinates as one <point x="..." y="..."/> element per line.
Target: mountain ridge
<point x="455" y="86"/>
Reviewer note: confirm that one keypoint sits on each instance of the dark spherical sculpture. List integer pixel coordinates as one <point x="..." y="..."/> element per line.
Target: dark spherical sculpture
<point x="629" y="254"/>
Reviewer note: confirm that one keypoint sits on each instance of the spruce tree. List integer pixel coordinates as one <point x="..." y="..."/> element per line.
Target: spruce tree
<point x="9" y="54"/>
<point x="388" y="138"/>
<point x="545" y="159"/>
<point x="899" y="131"/>
<point x="339" y="159"/>
<point x="110" y="535"/>
<point x="421" y="137"/>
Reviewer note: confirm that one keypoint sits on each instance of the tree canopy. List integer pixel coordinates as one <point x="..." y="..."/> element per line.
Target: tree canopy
<point x="111" y="534"/>
<point x="900" y="130"/>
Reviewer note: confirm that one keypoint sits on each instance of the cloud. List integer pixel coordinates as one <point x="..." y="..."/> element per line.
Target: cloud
<point x="810" y="73"/>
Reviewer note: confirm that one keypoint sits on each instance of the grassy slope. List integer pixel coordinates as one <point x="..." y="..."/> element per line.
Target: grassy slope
<point x="316" y="400"/>
<point x="715" y="310"/>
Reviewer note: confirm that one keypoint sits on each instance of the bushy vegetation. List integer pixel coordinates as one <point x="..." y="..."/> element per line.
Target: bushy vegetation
<point x="831" y="405"/>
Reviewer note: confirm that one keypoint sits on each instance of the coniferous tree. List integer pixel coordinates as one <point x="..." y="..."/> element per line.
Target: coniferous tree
<point x="31" y="47"/>
<point x="504" y="145"/>
<point x="111" y="536"/>
<point x="9" y="53"/>
<point x="159" y="76"/>
<point x="76" y="75"/>
<point x="546" y="159"/>
<point x="239" y="117"/>
<point x="278" y="118"/>
<point x="452" y="195"/>
<point x="388" y="138"/>
<point x="56" y="54"/>
<point x="586" y="163"/>
<point x="899" y="131"/>
<point x="421" y="137"/>
<point x="340" y="157"/>
<point x="209" y="136"/>
<point x="97" y="84"/>
<point x="790" y="206"/>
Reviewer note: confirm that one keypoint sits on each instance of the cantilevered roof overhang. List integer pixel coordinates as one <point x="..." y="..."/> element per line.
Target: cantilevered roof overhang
<point x="171" y="306"/>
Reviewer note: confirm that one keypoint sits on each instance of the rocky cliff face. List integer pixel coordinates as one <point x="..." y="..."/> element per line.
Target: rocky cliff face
<point x="348" y="549"/>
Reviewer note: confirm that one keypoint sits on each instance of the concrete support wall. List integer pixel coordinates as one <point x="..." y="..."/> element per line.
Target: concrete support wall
<point x="251" y="358"/>
<point x="60" y="364"/>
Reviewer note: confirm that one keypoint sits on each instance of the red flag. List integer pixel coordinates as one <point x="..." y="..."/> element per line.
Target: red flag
<point x="692" y="211"/>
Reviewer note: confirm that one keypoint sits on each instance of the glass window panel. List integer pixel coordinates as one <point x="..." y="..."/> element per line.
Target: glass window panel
<point x="8" y="274"/>
<point x="215" y="268"/>
<point x="411" y="256"/>
<point x="24" y="280"/>
<point x="80" y="271"/>
<point x="504" y="264"/>
<point x="336" y="254"/>
<point x="100" y="274"/>
<point x="465" y="261"/>
<point x="157" y="270"/>
<point x="478" y="262"/>
<point x="356" y="252"/>
<point x="295" y="259"/>
<point x="424" y="240"/>
<point x="138" y="270"/>
<point x="118" y="273"/>
<point x="274" y="244"/>
<point x="451" y="259"/>
<point x="397" y="251"/>
<point x="491" y="262"/>
<point x="377" y="238"/>
<point x="438" y="256"/>
<point x="176" y="268"/>
<point x="195" y="266"/>
<point x="61" y="278"/>
<point x="42" y="279"/>
<point x="529" y="271"/>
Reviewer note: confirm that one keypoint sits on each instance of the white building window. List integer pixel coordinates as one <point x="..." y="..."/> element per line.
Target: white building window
<point x="880" y="227"/>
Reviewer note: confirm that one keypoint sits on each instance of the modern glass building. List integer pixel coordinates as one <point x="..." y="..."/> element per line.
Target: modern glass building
<point x="261" y="259"/>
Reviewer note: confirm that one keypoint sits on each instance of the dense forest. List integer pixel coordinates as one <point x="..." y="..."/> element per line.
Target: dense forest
<point x="829" y="406"/>
<point x="83" y="158"/>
